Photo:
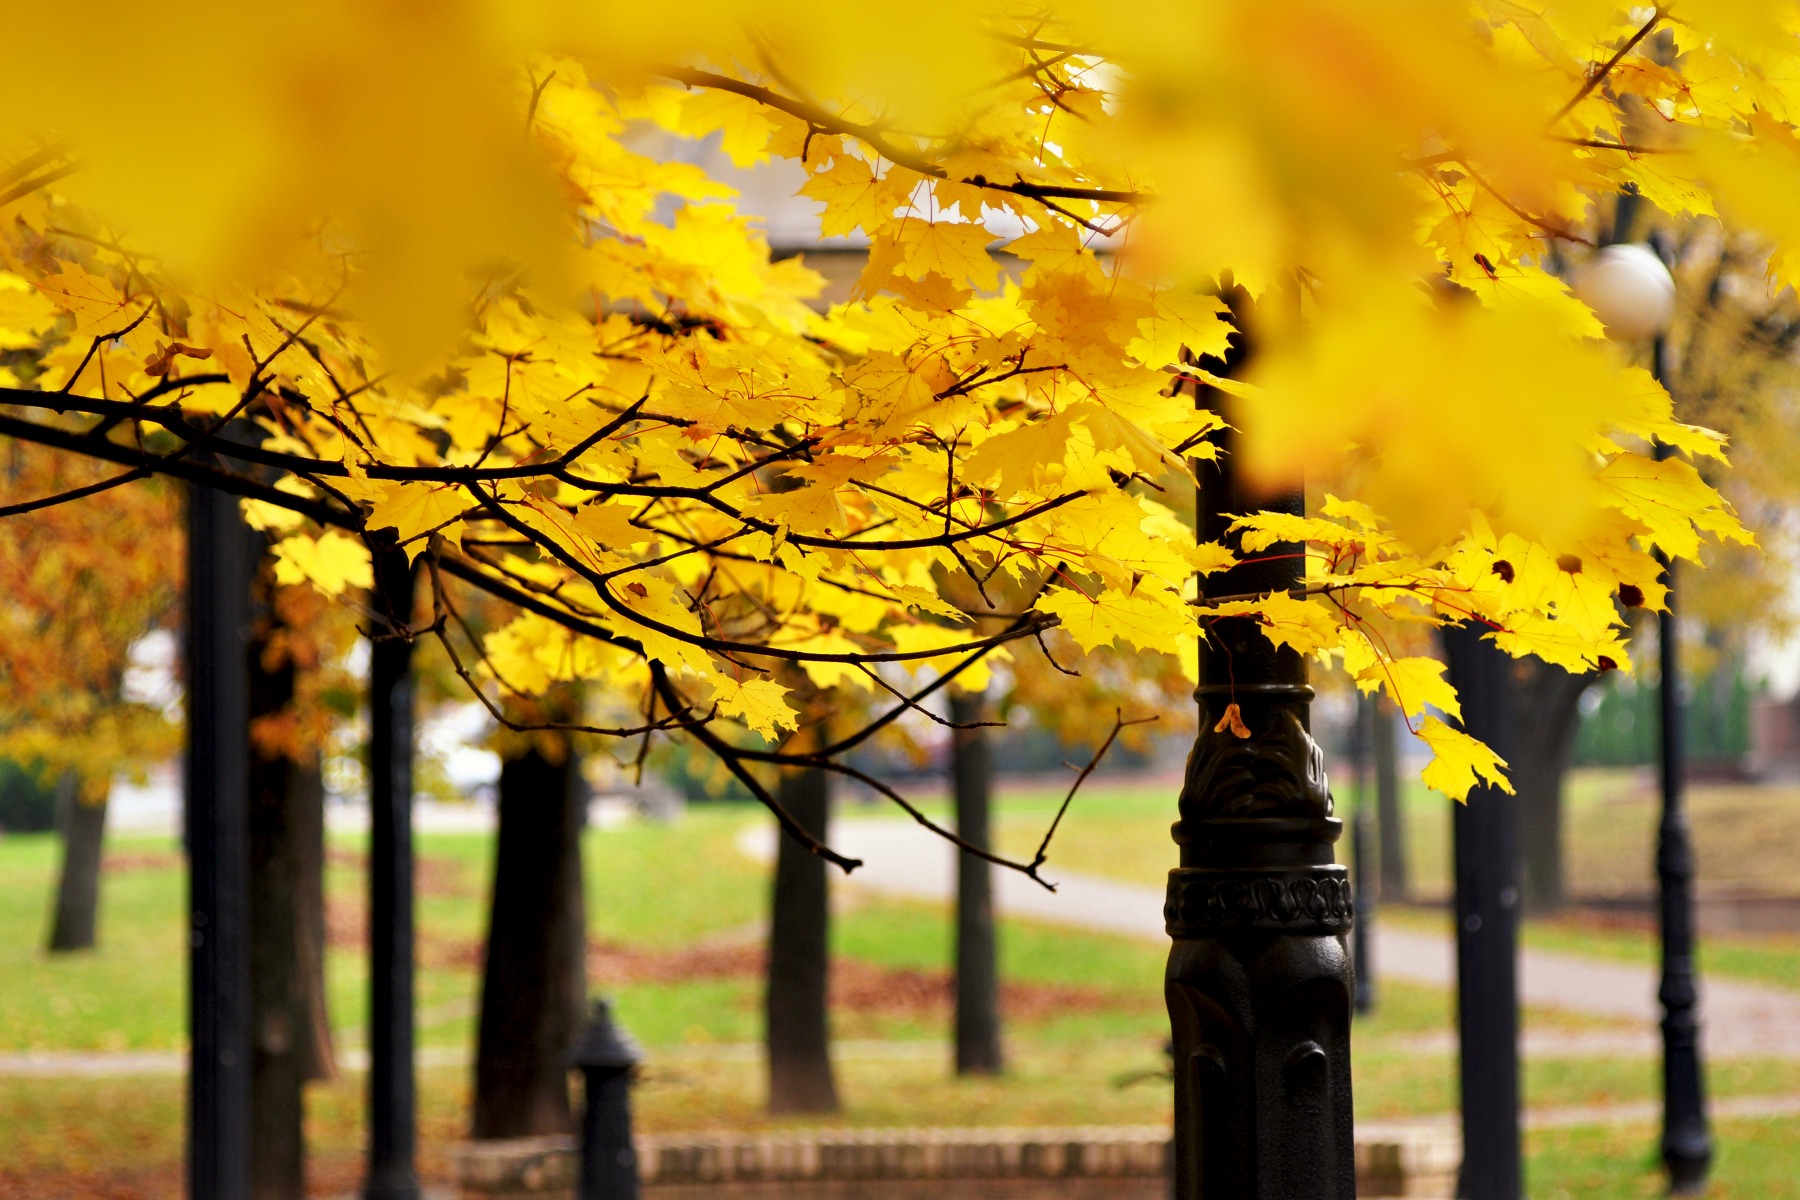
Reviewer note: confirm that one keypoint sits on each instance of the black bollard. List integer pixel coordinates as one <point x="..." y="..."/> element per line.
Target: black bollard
<point x="607" y="1059"/>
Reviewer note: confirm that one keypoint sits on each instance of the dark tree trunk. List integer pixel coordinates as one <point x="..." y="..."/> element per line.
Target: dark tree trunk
<point x="796" y="1004"/>
<point x="977" y="963"/>
<point x="1484" y="833"/>
<point x="1546" y="711"/>
<point x="534" y="984"/>
<point x="1390" y="822"/>
<point x="221" y="558"/>
<point x="83" y="828"/>
<point x="307" y="788"/>
<point x="393" y="1113"/>
<point x="278" y="1014"/>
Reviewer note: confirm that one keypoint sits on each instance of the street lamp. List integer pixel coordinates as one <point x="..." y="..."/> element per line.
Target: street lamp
<point x="1632" y="292"/>
<point x="1259" y="981"/>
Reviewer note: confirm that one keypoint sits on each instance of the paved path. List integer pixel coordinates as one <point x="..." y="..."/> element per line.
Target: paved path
<point x="1740" y="1019"/>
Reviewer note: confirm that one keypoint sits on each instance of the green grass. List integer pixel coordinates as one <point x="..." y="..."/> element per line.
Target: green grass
<point x="1087" y="1007"/>
<point x="130" y="994"/>
<point x="1754" y="1160"/>
<point x="1744" y="836"/>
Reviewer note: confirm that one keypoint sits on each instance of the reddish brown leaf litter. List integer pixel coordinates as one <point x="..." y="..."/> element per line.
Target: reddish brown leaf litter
<point x="432" y="876"/>
<point x="120" y="861"/>
<point x="163" y="1184"/>
<point x="856" y="986"/>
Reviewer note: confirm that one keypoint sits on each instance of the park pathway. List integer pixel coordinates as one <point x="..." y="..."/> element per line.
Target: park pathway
<point x="1740" y="1019"/>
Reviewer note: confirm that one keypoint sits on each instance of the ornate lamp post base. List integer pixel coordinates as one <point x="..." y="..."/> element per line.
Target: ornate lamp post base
<point x="1259" y="980"/>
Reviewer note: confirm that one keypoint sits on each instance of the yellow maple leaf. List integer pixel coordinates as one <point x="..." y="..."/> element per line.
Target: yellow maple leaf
<point x="743" y="130"/>
<point x="1459" y="762"/>
<point x="1052" y="247"/>
<point x="1019" y="456"/>
<point x="1192" y="320"/>
<point x="1412" y="683"/>
<point x="853" y="195"/>
<point x="1672" y="501"/>
<point x="652" y="599"/>
<point x="761" y="704"/>
<point x="412" y="509"/>
<point x="1304" y="624"/>
<point x="954" y="250"/>
<point x="609" y="525"/>
<point x="331" y="562"/>
<point x="1148" y="618"/>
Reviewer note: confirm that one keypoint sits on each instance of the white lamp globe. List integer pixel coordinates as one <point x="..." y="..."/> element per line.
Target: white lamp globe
<point x="1630" y="290"/>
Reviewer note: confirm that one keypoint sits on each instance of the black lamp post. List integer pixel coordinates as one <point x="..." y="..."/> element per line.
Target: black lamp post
<point x="1686" y="1135"/>
<point x="1631" y="289"/>
<point x="393" y="1089"/>
<point x="1259" y="980"/>
<point x="607" y="1059"/>
<point x="217" y="833"/>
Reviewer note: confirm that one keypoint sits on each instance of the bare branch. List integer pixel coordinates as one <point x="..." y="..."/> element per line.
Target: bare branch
<point x="1119" y="724"/>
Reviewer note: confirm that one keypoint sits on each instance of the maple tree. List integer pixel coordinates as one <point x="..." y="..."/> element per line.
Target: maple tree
<point x="424" y="281"/>
<point x="77" y="602"/>
<point x="78" y="607"/>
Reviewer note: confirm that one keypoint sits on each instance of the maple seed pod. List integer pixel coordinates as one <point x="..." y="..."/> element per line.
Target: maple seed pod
<point x="1503" y="569"/>
<point x="1630" y="290"/>
<point x="1631" y="595"/>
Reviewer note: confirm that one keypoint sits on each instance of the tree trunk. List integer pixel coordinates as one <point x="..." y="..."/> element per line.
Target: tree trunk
<point x="534" y="983"/>
<point x="278" y="1013"/>
<point x="1391" y="823"/>
<point x="78" y="885"/>
<point x="977" y="963"/>
<point x="307" y="785"/>
<point x="796" y="1004"/>
<point x="1546" y="707"/>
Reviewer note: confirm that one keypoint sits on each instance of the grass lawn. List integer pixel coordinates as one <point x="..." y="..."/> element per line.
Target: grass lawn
<point x="674" y="921"/>
<point x="1743" y="836"/>
<point x="1753" y="1160"/>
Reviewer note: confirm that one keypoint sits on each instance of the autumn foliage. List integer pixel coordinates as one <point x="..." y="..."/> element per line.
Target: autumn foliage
<point x="436" y="272"/>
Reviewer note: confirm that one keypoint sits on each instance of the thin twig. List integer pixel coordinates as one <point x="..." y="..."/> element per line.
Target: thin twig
<point x="13" y="510"/>
<point x="1596" y="77"/>
<point x="1119" y="724"/>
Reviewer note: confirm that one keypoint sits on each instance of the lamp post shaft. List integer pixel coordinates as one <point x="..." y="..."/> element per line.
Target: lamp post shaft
<point x="1259" y="980"/>
<point x="1686" y="1136"/>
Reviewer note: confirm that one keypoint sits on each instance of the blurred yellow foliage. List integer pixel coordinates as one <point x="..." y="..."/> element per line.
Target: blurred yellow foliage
<point x="457" y="267"/>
